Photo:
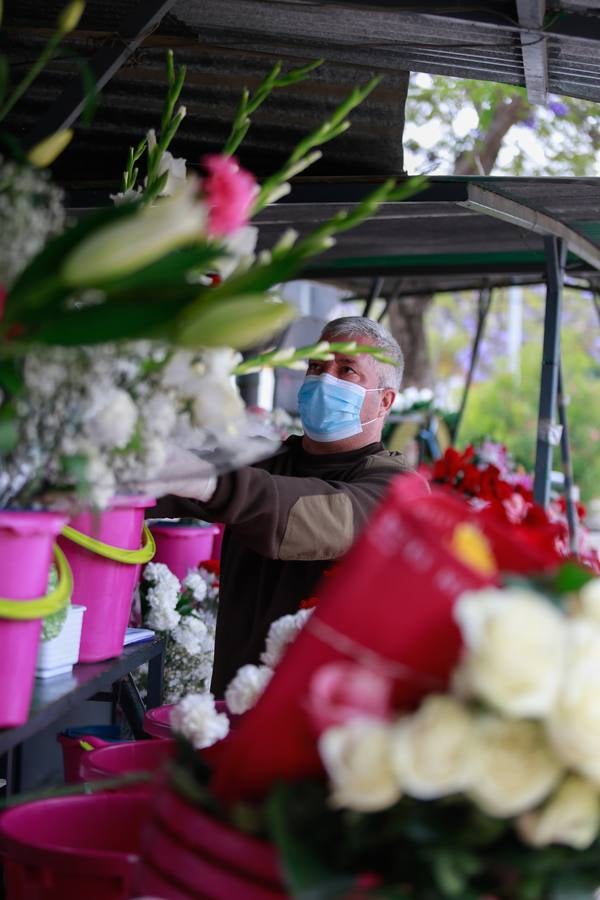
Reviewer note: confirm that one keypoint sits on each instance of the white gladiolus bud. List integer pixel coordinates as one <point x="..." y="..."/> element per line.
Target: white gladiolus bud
<point x="129" y="244"/>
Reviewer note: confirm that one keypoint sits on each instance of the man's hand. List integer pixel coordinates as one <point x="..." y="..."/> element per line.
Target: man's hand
<point x="184" y="474"/>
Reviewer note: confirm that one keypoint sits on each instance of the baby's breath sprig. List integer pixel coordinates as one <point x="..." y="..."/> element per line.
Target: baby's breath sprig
<point x="249" y="103"/>
<point x="296" y="357"/>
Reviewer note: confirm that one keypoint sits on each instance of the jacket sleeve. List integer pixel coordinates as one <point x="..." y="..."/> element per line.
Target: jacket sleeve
<point x="292" y="518"/>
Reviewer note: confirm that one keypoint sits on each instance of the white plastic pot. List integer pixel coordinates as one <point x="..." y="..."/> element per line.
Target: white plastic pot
<point x="58" y="655"/>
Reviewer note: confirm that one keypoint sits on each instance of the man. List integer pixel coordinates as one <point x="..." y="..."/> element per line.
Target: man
<point x="291" y="516"/>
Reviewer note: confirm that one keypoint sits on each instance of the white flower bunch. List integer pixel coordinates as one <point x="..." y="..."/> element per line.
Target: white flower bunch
<point x="521" y="736"/>
<point x="411" y="397"/>
<point x="100" y="419"/>
<point x="197" y="719"/>
<point x="161" y="596"/>
<point x="249" y="683"/>
<point x="185" y="614"/>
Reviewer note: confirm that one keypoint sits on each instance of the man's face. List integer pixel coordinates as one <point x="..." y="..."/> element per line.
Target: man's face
<point x="358" y="369"/>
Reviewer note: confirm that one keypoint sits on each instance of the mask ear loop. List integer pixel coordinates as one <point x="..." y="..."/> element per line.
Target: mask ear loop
<point x="370" y="421"/>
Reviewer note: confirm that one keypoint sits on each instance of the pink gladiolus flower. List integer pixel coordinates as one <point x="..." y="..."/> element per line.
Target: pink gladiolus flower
<point x="341" y="691"/>
<point x="229" y="192"/>
<point x="3" y="293"/>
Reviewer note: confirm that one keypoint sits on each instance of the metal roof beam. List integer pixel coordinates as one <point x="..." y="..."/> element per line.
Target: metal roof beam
<point x="533" y="49"/>
<point x="127" y="38"/>
<point x="482" y="200"/>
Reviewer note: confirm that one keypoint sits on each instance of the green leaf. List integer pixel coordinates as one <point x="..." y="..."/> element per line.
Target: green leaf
<point x="3" y="76"/>
<point x="170" y="271"/>
<point x="572" y="577"/>
<point x="113" y="321"/>
<point x="237" y="323"/>
<point x="11" y="377"/>
<point x="9" y="432"/>
<point x="90" y="93"/>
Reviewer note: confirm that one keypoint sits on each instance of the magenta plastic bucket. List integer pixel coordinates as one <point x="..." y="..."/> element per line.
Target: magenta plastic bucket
<point x="183" y="547"/>
<point x="131" y="756"/>
<point x="201" y="857"/>
<point x="106" y="585"/>
<point x="26" y="541"/>
<point x="157" y="721"/>
<point x="73" y="848"/>
<point x="71" y="739"/>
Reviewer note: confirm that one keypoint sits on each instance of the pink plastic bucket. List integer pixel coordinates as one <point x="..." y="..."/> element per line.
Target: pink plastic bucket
<point x="131" y="756"/>
<point x="106" y="585"/>
<point x="182" y="547"/>
<point x="157" y="721"/>
<point x="71" y="741"/>
<point x="69" y="848"/>
<point x="192" y="855"/>
<point x="26" y="540"/>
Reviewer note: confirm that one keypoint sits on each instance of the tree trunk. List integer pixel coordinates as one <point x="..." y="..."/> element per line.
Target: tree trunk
<point x="407" y="324"/>
<point x="406" y="317"/>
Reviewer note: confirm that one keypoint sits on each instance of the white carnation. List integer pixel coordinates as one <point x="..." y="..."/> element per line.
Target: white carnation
<point x="283" y="632"/>
<point x="162" y="597"/>
<point x="196" y="718"/>
<point x="218" y="402"/>
<point x="191" y="633"/>
<point x="195" y="583"/>
<point x="246" y="687"/>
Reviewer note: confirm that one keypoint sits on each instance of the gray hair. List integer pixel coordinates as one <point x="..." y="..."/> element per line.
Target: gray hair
<point x="366" y="331"/>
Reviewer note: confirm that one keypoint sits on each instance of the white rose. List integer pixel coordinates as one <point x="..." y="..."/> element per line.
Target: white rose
<point x="357" y="757"/>
<point x="574" y="723"/>
<point x="571" y="816"/>
<point x="431" y="749"/>
<point x="514" y="649"/>
<point x="514" y="768"/>
<point x="589" y="598"/>
<point x="246" y="687"/>
<point x="197" y="719"/>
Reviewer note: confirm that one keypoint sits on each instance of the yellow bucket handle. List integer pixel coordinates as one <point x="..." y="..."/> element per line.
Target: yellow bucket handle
<point x="25" y="610"/>
<point x="118" y="554"/>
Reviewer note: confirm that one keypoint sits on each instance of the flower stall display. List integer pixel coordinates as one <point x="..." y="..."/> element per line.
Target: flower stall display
<point x="461" y="764"/>
<point x="119" y="335"/>
<point x="184" y="613"/>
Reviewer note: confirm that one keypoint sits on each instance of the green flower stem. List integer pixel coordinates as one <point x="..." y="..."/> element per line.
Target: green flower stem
<point x="42" y="60"/>
<point x="249" y="103"/>
<point x="290" y="357"/>
<point x="329" y="130"/>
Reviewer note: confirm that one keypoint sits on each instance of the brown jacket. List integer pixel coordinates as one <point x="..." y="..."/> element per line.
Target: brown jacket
<point x="289" y="517"/>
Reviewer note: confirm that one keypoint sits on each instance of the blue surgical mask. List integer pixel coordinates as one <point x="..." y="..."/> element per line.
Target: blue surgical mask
<point x="330" y="408"/>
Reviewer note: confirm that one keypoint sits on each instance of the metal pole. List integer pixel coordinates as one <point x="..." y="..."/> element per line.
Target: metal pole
<point x="567" y="462"/>
<point x="485" y="302"/>
<point x="374" y="294"/>
<point x="548" y="435"/>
